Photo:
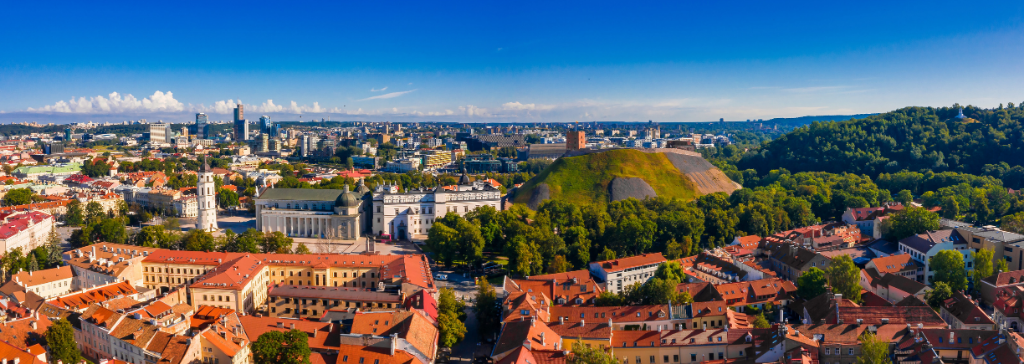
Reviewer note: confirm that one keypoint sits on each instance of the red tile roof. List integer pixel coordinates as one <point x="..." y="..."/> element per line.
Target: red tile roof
<point x="616" y="265"/>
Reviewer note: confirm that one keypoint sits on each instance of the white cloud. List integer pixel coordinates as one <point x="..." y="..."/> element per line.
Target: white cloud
<point x="516" y="105"/>
<point x="115" y="103"/>
<point x="378" y="90"/>
<point x="389" y="95"/>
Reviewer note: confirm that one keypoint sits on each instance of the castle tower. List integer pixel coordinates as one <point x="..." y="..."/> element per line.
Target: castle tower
<point x="205" y="198"/>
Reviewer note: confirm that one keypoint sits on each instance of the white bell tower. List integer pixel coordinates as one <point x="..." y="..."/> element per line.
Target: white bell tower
<point x="206" y="199"/>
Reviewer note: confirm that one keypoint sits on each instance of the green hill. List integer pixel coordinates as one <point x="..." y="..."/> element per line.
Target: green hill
<point x="587" y="179"/>
<point x="985" y="142"/>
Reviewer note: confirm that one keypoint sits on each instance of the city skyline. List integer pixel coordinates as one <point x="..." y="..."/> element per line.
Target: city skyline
<point x="532" y="63"/>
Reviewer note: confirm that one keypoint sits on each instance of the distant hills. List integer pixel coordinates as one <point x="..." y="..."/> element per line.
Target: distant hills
<point x="603" y="176"/>
<point x="803" y="120"/>
<point x="919" y="139"/>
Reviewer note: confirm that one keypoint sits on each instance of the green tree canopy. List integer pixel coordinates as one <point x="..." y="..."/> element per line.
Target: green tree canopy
<point x="912" y="221"/>
<point x="844" y="277"/>
<point x="811" y="283"/>
<point x="60" y="339"/>
<point x="949" y="268"/>
<point x="18" y="196"/>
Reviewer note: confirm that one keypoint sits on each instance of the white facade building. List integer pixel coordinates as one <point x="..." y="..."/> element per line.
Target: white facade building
<point x="205" y="195"/>
<point x="312" y="213"/>
<point x="47" y="283"/>
<point x="26" y="231"/>
<point x="404" y="214"/>
<point x="923" y="247"/>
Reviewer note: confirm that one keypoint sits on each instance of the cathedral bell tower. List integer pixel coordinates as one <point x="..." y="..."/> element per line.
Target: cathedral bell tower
<point x="206" y="199"/>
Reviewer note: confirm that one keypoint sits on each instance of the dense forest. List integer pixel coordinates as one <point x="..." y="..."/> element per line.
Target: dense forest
<point x="987" y="142"/>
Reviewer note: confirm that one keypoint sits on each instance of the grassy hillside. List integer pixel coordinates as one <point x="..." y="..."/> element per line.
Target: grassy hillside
<point x="584" y="179"/>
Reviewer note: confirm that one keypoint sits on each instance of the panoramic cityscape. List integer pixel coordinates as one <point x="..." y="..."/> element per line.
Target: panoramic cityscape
<point x="534" y="183"/>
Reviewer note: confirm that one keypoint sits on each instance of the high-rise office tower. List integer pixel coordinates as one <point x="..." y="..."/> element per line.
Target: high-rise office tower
<point x="201" y="121"/>
<point x="160" y="133"/>
<point x="275" y="131"/>
<point x="264" y="124"/>
<point x="304" y="146"/>
<point x="67" y="135"/>
<point x="241" y="126"/>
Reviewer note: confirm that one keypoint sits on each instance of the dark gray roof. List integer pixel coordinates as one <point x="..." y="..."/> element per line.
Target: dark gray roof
<point x="903" y="283"/>
<point x="301" y="194"/>
<point x="885" y="246"/>
<point x="924" y="242"/>
<point x="995" y="234"/>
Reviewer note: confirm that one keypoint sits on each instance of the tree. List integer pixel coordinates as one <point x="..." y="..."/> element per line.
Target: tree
<point x="1001" y="266"/>
<point x="606" y="299"/>
<point x="904" y="197"/>
<point x="673" y="250"/>
<point x="60" y="338"/>
<point x="949" y="268"/>
<point x="487" y="308"/>
<point x="760" y="322"/>
<point x="18" y="196"/>
<point x="844" y="277"/>
<point x="33" y="265"/>
<point x="276" y="347"/>
<point x="451" y="314"/>
<point x="110" y="230"/>
<point x="54" y="251"/>
<point x="811" y="283"/>
<point x="248" y="242"/>
<point x="585" y="354"/>
<point x="982" y="266"/>
<point x="912" y="221"/>
<point x="276" y="242"/>
<point x="451" y="329"/>
<point x="74" y="215"/>
<point x="226" y="198"/>
<point x="873" y="350"/>
<point x="607" y="254"/>
<point x="1014" y="223"/>
<point x="670" y="270"/>
<point x="559" y="265"/>
<point x="302" y="249"/>
<point x="940" y="293"/>
<point x="94" y="213"/>
<point x="198" y="240"/>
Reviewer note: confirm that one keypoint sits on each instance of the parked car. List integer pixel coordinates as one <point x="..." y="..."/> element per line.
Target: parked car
<point x="441" y="277"/>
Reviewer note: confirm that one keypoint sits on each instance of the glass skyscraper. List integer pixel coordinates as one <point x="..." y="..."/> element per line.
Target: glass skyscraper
<point x="264" y="124"/>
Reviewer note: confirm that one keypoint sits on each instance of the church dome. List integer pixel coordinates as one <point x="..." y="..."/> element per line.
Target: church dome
<point x="347" y="199"/>
<point x="362" y="189"/>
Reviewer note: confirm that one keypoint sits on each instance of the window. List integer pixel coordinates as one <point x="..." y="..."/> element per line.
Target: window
<point x="828" y="351"/>
<point x="675" y="358"/>
<point x="666" y="358"/>
<point x="693" y="357"/>
<point x="850" y="351"/>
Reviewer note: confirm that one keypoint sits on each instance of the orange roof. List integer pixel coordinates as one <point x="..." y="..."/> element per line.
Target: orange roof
<point x="365" y="354"/>
<point x="256" y="326"/>
<point x="97" y="295"/>
<point x="616" y="265"/>
<point x="11" y="353"/>
<point x="30" y="279"/>
<point x="893" y="264"/>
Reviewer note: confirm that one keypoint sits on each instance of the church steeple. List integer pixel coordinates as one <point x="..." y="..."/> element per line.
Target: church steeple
<point x="961" y="114"/>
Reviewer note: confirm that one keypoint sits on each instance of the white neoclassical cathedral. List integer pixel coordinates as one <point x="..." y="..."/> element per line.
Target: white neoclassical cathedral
<point x="206" y="198"/>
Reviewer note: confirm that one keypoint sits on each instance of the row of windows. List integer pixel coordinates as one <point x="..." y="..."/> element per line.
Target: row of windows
<point x="219" y="298"/>
<point x="310" y="274"/>
<point x="173" y="270"/>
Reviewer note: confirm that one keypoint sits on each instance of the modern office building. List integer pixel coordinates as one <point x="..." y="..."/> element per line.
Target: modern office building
<point x="67" y="134"/>
<point x="264" y="124"/>
<point x="160" y="133"/>
<point x="201" y="121"/>
<point x="241" y="125"/>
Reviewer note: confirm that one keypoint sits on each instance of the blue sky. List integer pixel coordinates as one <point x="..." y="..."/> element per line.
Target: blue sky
<point x="515" y="61"/>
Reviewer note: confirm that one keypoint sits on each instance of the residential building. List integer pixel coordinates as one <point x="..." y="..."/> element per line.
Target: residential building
<point x="869" y="219"/>
<point x="891" y="287"/>
<point x="961" y="312"/>
<point x="287" y="300"/>
<point x="1006" y="245"/>
<point x="25" y="231"/>
<point x="47" y="283"/>
<point x="617" y="274"/>
<point x="923" y="247"/>
<point x="103" y="263"/>
<point x="789" y="261"/>
<point x="989" y="286"/>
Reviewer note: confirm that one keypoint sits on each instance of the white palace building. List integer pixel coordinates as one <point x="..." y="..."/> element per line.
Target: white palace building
<point x="343" y="214"/>
<point x="405" y="214"/>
